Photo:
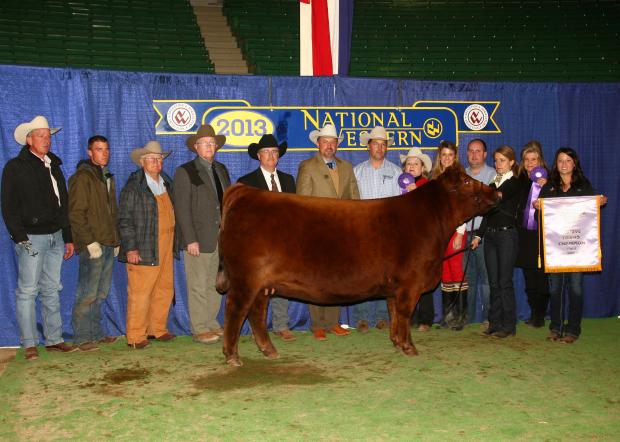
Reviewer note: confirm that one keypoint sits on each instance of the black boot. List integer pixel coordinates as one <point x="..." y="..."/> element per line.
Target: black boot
<point x="460" y="311"/>
<point x="445" y="309"/>
<point x="450" y="309"/>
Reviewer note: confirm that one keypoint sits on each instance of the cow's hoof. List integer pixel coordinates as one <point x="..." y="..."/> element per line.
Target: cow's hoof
<point x="271" y="353"/>
<point x="410" y="351"/>
<point x="234" y="361"/>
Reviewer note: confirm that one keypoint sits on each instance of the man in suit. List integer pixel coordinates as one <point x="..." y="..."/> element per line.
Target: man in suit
<point x="268" y="152"/>
<point x="199" y="186"/>
<point x="325" y="175"/>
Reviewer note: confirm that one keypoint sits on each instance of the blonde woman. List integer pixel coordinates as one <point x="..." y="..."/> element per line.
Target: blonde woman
<point x="453" y="284"/>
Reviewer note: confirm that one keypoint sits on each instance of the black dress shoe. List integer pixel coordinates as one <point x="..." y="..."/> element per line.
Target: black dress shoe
<point x="489" y="332"/>
<point x="503" y="334"/>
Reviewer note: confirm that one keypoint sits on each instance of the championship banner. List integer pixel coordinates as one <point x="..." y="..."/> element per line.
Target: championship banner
<point x="422" y="125"/>
<point x="571" y="234"/>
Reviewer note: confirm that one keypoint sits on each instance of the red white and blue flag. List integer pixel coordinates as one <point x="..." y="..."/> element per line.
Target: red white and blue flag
<point x="325" y="36"/>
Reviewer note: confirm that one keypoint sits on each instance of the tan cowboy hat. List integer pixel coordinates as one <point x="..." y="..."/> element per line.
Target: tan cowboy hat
<point x="150" y="147"/>
<point x="206" y="130"/>
<point x="415" y="152"/>
<point x="377" y="133"/>
<point x="38" y="122"/>
<point x="329" y="130"/>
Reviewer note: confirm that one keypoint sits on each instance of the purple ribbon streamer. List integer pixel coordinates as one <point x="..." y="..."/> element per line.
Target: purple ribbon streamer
<point x="530" y="221"/>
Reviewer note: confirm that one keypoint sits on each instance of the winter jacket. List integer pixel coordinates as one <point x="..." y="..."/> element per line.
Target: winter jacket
<point x="93" y="211"/>
<point x="138" y="218"/>
<point x="29" y="204"/>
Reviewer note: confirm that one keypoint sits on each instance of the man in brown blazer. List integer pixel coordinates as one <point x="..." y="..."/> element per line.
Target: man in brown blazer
<point x="325" y="175"/>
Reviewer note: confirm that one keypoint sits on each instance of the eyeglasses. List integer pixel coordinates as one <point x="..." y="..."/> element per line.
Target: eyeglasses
<point x="206" y="144"/>
<point x="159" y="159"/>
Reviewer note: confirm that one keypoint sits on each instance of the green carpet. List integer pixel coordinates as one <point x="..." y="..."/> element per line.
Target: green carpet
<point x="462" y="386"/>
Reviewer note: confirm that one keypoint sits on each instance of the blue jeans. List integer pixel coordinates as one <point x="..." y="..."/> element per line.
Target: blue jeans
<point x="477" y="271"/>
<point x="558" y="283"/>
<point x="39" y="275"/>
<point x="364" y="310"/>
<point x="500" y="254"/>
<point x="93" y="287"/>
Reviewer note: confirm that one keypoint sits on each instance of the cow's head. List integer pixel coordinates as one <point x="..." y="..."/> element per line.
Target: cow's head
<point x="469" y="195"/>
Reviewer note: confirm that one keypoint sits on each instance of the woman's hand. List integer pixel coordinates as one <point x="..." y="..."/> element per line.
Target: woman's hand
<point x="475" y="243"/>
<point x="133" y="257"/>
<point x="458" y="241"/>
<point x="411" y="187"/>
<point x="536" y="204"/>
<point x="541" y="181"/>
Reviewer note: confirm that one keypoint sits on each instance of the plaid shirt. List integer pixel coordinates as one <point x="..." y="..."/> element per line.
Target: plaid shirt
<point x="377" y="183"/>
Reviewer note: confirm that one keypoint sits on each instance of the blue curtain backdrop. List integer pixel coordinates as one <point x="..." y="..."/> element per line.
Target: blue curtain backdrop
<point x="119" y="106"/>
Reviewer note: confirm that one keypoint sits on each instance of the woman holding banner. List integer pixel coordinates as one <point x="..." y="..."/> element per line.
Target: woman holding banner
<point x="500" y="245"/>
<point x="566" y="179"/>
<point x="532" y="177"/>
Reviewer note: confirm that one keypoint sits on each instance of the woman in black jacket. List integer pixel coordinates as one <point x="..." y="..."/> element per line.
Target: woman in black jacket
<point x="566" y="179"/>
<point x="499" y="228"/>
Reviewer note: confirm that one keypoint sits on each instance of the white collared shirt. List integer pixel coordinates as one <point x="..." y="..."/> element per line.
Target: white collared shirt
<point x="505" y="177"/>
<point x="157" y="187"/>
<point x="267" y="176"/>
<point x="48" y="164"/>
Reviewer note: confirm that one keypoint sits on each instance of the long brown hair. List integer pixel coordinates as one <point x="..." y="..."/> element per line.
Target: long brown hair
<point x="437" y="168"/>
<point x="509" y="153"/>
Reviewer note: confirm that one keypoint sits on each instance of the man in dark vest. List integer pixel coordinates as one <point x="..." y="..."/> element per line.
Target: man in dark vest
<point x="199" y="186"/>
<point x="268" y="152"/>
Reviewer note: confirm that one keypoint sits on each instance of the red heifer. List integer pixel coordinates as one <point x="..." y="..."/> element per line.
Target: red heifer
<point x="330" y="251"/>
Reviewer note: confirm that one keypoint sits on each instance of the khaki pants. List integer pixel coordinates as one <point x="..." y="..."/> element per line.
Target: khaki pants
<point x="202" y="298"/>
<point x="323" y="317"/>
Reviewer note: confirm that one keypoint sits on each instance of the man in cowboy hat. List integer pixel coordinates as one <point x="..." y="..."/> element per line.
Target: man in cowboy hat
<point x="93" y="213"/>
<point x="376" y="177"/>
<point x="146" y="225"/>
<point x="267" y="151"/>
<point x="34" y="207"/>
<point x="199" y="186"/>
<point x="325" y="175"/>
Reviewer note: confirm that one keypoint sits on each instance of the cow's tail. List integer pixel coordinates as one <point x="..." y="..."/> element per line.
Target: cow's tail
<point x="222" y="283"/>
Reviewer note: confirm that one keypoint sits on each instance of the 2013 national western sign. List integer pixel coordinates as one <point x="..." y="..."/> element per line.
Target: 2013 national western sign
<point x="422" y="125"/>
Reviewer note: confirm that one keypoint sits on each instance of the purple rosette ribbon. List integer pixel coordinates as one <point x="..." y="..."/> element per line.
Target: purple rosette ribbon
<point x="404" y="180"/>
<point x="529" y="221"/>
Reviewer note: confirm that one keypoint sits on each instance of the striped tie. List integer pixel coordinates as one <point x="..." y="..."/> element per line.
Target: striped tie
<point x="274" y="186"/>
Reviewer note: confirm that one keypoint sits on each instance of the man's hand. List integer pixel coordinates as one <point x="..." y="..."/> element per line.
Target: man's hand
<point x="94" y="250"/>
<point x="193" y="249"/>
<point x="69" y="249"/>
<point x="133" y="257"/>
<point x="475" y="243"/>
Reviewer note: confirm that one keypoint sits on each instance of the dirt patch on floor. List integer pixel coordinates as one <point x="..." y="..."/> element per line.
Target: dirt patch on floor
<point x="6" y="356"/>
<point x="261" y="373"/>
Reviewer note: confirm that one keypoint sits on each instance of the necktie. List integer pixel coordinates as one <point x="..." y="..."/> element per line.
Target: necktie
<point x="497" y="179"/>
<point x="218" y="184"/>
<point x="274" y="186"/>
<point x="331" y="164"/>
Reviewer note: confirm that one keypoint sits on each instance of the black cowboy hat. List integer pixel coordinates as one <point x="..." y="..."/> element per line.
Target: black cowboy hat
<point x="267" y="140"/>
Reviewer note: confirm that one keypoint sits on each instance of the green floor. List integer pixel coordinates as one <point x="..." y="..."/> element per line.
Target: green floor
<point x="462" y="386"/>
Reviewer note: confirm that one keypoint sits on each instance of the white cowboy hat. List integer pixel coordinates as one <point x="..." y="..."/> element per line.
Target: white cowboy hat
<point x="150" y="147"/>
<point x="38" y="122"/>
<point x="329" y="130"/>
<point x="377" y="133"/>
<point x="415" y="152"/>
